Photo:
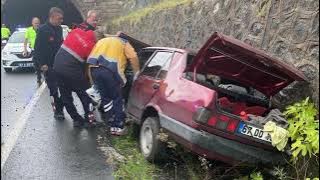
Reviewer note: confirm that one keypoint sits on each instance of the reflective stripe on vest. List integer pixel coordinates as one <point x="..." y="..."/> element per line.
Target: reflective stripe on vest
<point x="72" y="53"/>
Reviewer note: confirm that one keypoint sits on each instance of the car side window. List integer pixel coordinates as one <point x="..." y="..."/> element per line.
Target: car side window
<point x="163" y="72"/>
<point x="157" y="63"/>
<point x="144" y="57"/>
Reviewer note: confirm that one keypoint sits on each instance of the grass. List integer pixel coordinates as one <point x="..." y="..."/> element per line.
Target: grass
<point x="179" y="162"/>
<point x="135" y="166"/>
<point x="137" y="15"/>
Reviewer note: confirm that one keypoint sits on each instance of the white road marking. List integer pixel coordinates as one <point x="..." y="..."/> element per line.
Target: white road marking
<point x="12" y="138"/>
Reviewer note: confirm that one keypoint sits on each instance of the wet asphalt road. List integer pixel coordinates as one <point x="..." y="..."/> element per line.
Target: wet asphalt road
<point x="17" y="89"/>
<point x="46" y="148"/>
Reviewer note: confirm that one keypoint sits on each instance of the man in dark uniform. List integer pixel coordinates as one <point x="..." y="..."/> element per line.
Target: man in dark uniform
<point x="48" y="41"/>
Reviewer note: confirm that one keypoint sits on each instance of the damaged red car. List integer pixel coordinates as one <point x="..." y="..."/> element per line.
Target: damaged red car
<point x="214" y="102"/>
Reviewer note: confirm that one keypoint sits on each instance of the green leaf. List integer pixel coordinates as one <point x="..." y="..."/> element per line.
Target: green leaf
<point x="296" y="144"/>
<point x="256" y="176"/>
<point x="304" y="150"/>
<point x="296" y="152"/>
<point x="303" y="128"/>
<point x="306" y="101"/>
<point x="309" y="149"/>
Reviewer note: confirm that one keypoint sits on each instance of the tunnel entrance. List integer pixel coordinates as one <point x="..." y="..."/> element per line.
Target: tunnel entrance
<point x="20" y="12"/>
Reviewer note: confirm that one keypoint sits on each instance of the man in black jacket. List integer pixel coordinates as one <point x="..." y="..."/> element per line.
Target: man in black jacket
<point x="48" y="42"/>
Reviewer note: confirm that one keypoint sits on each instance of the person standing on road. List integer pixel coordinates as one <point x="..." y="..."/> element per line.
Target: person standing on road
<point x="70" y="64"/>
<point x="30" y="38"/>
<point x="48" y="41"/>
<point x="5" y="32"/>
<point x="107" y="63"/>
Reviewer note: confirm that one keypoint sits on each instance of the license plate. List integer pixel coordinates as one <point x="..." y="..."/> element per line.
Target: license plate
<point x="25" y="65"/>
<point x="253" y="132"/>
<point x="4" y="41"/>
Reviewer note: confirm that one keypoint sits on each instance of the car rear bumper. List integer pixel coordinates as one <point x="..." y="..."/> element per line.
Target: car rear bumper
<point x="216" y="147"/>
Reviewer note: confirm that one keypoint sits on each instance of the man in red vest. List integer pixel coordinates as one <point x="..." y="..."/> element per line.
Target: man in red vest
<point x="70" y="67"/>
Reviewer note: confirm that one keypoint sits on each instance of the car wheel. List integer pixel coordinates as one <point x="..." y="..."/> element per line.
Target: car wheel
<point x="150" y="145"/>
<point x="8" y="70"/>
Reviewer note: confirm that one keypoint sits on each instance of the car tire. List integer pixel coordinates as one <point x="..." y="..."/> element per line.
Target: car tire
<point x="8" y="70"/>
<point x="150" y="145"/>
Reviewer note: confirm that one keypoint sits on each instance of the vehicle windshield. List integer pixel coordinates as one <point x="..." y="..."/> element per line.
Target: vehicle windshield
<point x="17" y="37"/>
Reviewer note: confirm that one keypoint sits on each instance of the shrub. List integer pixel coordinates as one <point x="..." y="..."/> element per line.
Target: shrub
<point x="303" y="129"/>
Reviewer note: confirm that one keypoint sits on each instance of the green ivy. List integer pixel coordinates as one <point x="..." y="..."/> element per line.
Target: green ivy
<point x="256" y="176"/>
<point x="303" y="129"/>
<point x="137" y="15"/>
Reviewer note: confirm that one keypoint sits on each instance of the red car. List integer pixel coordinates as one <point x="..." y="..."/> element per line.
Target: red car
<point x="214" y="102"/>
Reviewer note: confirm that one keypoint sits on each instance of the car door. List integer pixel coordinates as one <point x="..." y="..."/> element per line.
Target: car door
<point x="148" y="82"/>
<point x="143" y="56"/>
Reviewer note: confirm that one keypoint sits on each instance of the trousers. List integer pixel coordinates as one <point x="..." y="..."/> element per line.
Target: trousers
<point x="110" y="90"/>
<point x="51" y="80"/>
<point x="66" y="87"/>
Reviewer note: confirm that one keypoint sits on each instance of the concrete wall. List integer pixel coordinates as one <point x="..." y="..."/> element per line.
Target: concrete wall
<point x="287" y="29"/>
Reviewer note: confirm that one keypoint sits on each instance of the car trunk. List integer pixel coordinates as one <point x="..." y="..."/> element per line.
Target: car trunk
<point x="237" y="61"/>
<point x="245" y="79"/>
<point x="242" y="75"/>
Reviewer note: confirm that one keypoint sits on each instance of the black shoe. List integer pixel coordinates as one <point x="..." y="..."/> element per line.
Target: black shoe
<point x="78" y="123"/>
<point x="58" y="115"/>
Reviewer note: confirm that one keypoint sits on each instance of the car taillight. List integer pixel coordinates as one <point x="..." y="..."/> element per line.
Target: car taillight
<point x="232" y="125"/>
<point x="212" y="121"/>
<point x="222" y="122"/>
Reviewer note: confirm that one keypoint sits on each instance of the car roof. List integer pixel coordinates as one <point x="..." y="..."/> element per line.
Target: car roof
<point x="171" y="49"/>
<point x="20" y="30"/>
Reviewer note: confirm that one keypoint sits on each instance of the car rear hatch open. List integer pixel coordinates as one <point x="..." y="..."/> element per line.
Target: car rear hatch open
<point x="233" y="59"/>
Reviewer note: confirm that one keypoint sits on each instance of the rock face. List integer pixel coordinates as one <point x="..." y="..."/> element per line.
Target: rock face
<point x="288" y="30"/>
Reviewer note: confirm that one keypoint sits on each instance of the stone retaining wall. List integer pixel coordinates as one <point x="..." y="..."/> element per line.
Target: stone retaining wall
<point x="286" y="29"/>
